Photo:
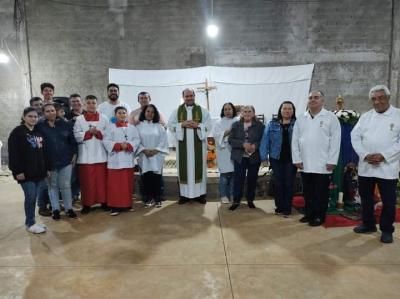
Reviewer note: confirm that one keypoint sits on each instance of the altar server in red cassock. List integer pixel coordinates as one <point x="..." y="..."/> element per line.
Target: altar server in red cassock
<point x="121" y="142"/>
<point x="89" y="130"/>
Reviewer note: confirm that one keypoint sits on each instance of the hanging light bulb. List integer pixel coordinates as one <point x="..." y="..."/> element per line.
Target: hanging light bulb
<point x="212" y="30"/>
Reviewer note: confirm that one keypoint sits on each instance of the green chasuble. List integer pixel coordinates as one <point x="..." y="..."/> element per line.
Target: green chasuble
<point x="198" y="147"/>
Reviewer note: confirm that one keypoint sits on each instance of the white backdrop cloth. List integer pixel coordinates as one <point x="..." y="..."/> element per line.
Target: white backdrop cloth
<point x="263" y="87"/>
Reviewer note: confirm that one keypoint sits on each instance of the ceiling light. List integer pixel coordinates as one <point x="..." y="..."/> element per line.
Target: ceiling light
<point x="4" y="58"/>
<point x="212" y="30"/>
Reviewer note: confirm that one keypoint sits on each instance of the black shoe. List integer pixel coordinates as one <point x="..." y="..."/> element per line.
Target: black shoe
<point x="234" y="206"/>
<point x="304" y="219"/>
<point x="251" y="205"/>
<point x="44" y="212"/>
<point x="201" y="200"/>
<point x="387" y="237"/>
<point x="85" y="210"/>
<point x="362" y="229"/>
<point x="278" y="212"/>
<point x="315" y="222"/>
<point x="72" y="214"/>
<point x="182" y="200"/>
<point x="105" y="207"/>
<point x="56" y="215"/>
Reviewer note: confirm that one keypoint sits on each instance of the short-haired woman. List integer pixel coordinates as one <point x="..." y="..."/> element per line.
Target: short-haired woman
<point x="245" y="138"/>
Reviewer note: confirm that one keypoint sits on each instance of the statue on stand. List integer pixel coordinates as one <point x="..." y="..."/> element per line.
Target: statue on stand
<point x="343" y="188"/>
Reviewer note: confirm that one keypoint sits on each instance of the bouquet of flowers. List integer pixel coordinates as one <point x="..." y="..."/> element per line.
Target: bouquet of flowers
<point x="347" y="116"/>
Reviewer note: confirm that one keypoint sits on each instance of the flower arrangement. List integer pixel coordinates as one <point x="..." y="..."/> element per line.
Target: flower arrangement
<point x="347" y="116"/>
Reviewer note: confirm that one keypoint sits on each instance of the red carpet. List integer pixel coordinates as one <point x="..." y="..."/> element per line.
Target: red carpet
<point x="341" y="220"/>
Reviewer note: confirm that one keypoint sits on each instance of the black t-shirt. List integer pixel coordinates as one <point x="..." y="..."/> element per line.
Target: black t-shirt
<point x="25" y="153"/>
<point x="286" y="154"/>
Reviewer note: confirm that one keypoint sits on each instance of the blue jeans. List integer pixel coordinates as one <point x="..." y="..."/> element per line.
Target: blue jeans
<point x="240" y="176"/>
<point x="226" y="184"/>
<point x="284" y="176"/>
<point x="43" y="197"/>
<point x="31" y="191"/>
<point x="75" y="186"/>
<point x="60" y="181"/>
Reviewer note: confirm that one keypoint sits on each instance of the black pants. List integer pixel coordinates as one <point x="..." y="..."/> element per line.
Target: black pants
<point x="284" y="176"/>
<point x="316" y="194"/>
<point x="240" y="176"/>
<point x="387" y="189"/>
<point x="151" y="185"/>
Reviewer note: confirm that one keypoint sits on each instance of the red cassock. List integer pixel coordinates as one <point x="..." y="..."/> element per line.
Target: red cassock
<point x="93" y="180"/>
<point x="120" y="187"/>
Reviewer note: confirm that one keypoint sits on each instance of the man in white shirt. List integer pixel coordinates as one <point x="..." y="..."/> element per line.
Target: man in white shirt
<point x="315" y="152"/>
<point x="376" y="140"/>
<point x="107" y="108"/>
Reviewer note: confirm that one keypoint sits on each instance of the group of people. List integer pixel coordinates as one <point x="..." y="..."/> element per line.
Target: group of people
<point x="100" y="145"/>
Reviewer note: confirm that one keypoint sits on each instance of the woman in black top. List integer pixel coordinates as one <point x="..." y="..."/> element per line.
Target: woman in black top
<point x="26" y="161"/>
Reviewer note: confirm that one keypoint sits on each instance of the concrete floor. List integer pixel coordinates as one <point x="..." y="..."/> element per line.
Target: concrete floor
<point x="190" y="251"/>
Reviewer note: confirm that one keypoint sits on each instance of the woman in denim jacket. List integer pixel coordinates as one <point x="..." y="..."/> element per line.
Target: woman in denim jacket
<point x="276" y="147"/>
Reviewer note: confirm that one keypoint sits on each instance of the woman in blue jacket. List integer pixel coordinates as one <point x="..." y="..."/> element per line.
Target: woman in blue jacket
<point x="276" y="148"/>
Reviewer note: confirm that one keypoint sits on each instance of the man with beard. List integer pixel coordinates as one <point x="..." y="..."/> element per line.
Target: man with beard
<point x="190" y="125"/>
<point x="107" y="108"/>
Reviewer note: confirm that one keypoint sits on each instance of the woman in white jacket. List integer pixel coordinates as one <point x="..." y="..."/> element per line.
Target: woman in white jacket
<point x="154" y="146"/>
<point x="221" y="133"/>
<point x="121" y="142"/>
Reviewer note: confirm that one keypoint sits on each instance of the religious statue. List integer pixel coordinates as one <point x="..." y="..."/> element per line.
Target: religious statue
<point x="343" y="187"/>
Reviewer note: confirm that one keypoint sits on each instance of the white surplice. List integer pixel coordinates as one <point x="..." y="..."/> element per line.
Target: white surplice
<point x="191" y="189"/>
<point x="152" y="136"/>
<point x="90" y="151"/>
<point x="224" y="162"/>
<point x="113" y="135"/>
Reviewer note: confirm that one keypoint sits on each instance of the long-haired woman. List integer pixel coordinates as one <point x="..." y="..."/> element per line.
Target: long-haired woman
<point x="26" y="161"/>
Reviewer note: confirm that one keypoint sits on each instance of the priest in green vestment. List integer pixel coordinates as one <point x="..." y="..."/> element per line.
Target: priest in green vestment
<point x="190" y="125"/>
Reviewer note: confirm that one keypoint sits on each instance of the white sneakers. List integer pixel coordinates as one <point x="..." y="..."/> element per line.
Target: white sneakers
<point x="224" y="199"/>
<point x="37" y="228"/>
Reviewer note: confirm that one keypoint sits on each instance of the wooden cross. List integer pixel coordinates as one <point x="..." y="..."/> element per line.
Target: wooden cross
<point x="206" y="90"/>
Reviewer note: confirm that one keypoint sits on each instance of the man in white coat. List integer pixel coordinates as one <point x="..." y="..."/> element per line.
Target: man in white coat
<point x="315" y="151"/>
<point x="376" y="140"/>
<point x="190" y="124"/>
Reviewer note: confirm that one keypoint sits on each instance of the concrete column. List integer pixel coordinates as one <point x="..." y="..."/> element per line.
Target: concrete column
<point x="394" y="75"/>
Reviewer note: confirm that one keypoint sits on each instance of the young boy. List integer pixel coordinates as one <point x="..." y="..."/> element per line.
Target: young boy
<point x="89" y="130"/>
